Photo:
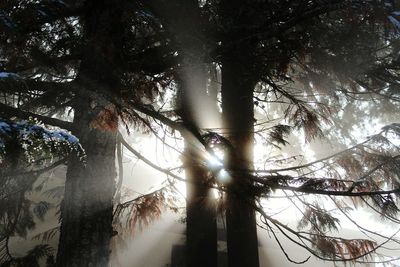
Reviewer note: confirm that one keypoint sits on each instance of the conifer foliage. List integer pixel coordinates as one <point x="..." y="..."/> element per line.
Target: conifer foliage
<point x="27" y="150"/>
<point x="286" y="68"/>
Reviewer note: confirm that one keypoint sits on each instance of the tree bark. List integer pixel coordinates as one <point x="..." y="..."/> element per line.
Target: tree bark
<point x="86" y="217"/>
<point x="238" y="117"/>
<point x="87" y="208"/>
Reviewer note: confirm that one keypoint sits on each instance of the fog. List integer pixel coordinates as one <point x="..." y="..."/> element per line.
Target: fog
<point x="130" y="130"/>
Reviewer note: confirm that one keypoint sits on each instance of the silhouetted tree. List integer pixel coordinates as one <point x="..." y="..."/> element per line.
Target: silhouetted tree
<point x="58" y="55"/>
<point x="294" y="48"/>
<point x="188" y="38"/>
<point x="103" y="57"/>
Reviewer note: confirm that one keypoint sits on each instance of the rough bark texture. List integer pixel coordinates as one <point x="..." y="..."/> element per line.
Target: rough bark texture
<point x="238" y="117"/>
<point x="86" y="213"/>
<point x="86" y="226"/>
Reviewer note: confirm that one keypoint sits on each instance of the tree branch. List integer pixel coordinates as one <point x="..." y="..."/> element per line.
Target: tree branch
<point x="337" y="193"/>
<point x="10" y="112"/>
<point x="145" y="160"/>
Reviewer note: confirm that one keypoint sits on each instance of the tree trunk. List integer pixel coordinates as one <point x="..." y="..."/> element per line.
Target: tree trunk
<point x="87" y="209"/>
<point x="86" y="226"/>
<point x="238" y="117"/>
<point x="201" y="225"/>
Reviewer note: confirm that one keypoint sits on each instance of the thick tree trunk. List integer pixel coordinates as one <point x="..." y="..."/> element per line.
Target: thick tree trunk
<point x="86" y="226"/>
<point x="238" y="117"/>
<point x="239" y="76"/>
<point x="201" y="226"/>
<point x="87" y="209"/>
<point x="183" y="20"/>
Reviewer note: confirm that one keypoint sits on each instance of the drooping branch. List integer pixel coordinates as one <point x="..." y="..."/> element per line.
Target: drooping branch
<point x="360" y="226"/>
<point x="18" y="84"/>
<point x="38" y="171"/>
<point x="10" y="112"/>
<point x="33" y="173"/>
<point x="361" y="252"/>
<point x="313" y="162"/>
<point x="54" y="87"/>
<point x="337" y="193"/>
<point x="147" y="161"/>
<point x="183" y="128"/>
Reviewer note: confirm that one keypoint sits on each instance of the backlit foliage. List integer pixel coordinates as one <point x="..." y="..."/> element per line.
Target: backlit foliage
<point x="27" y="150"/>
<point x="311" y="59"/>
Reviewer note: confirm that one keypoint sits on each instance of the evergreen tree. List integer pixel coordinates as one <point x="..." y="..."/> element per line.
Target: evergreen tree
<point x="286" y="45"/>
<point x="27" y="150"/>
<point x="305" y="55"/>
<point x="189" y="39"/>
<point x="86" y="56"/>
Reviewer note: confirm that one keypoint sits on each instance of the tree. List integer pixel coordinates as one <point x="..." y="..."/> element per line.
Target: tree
<point x="280" y="46"/>
<point x="69" y="61"/>
<point x="189" y="41"/>
<point x="27" y="150"/>
<point x="286" y="49"/>
<point x="277" y="45"/>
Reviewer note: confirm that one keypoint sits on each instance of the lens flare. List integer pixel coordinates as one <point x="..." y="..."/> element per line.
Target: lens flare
<point x="223" y="177"/>
<point x="214" y="163"/>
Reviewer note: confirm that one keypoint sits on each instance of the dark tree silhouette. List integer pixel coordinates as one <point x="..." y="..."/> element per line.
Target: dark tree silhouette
<point x="102" y="58"/>
<point x="188" y="38"/>
<point x="81" y="55"/>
